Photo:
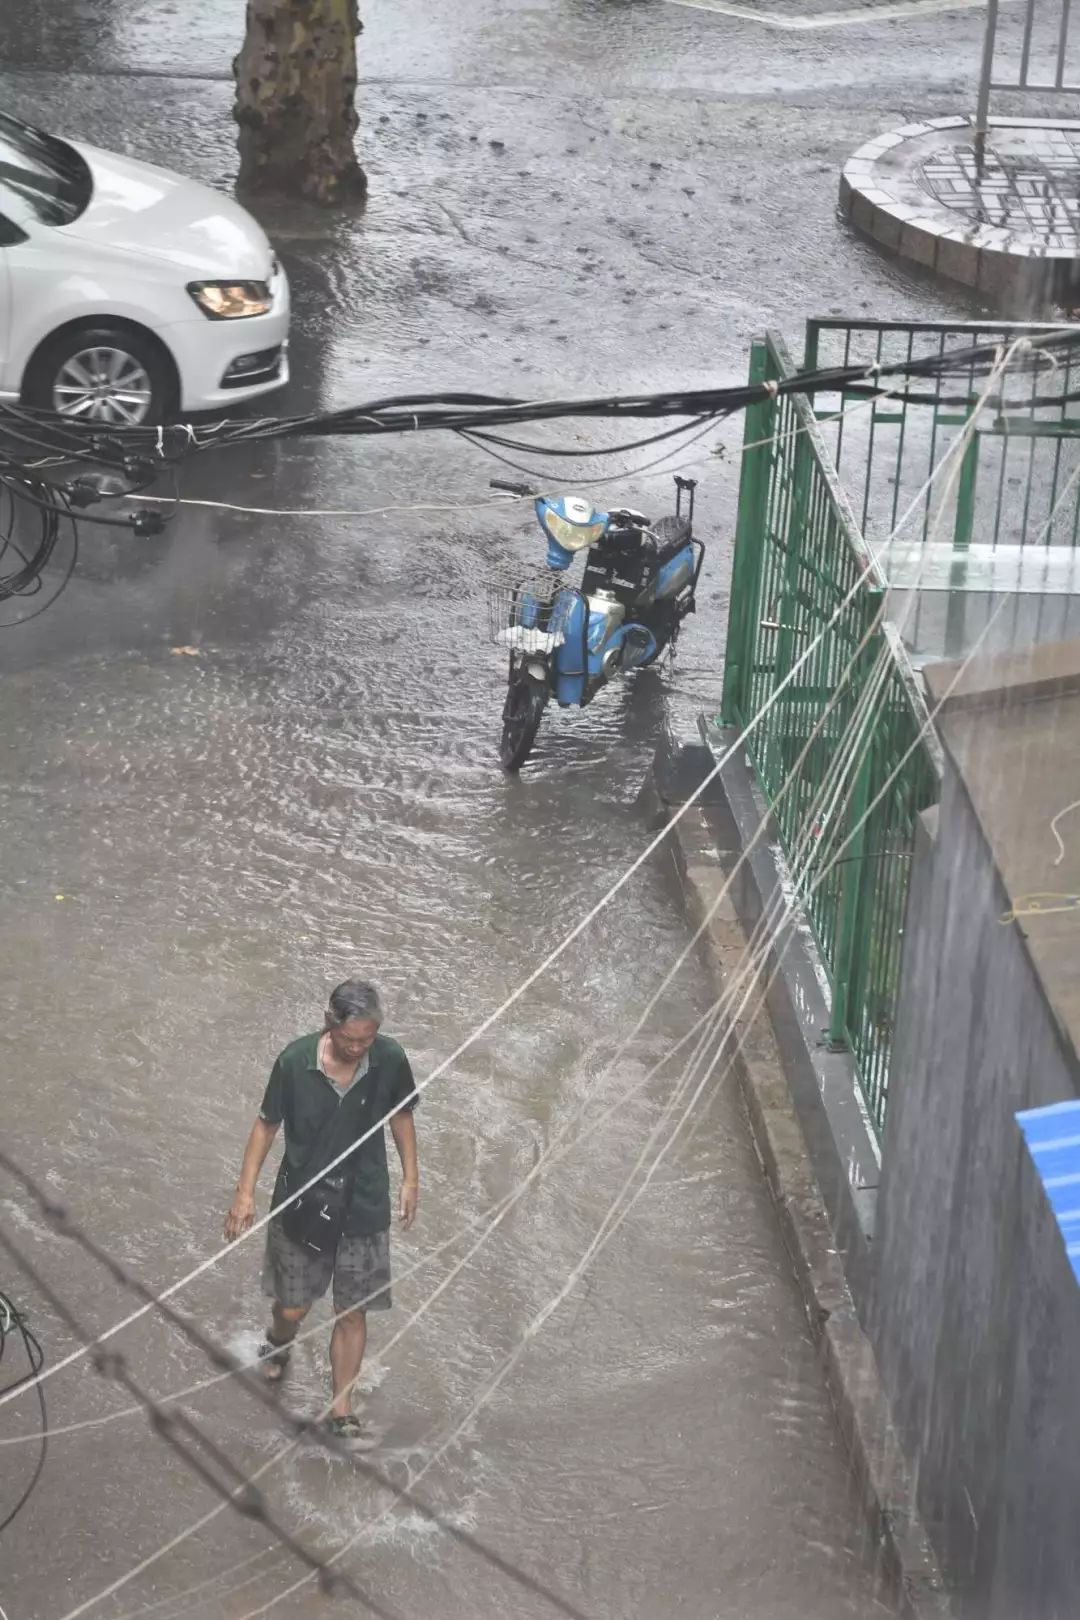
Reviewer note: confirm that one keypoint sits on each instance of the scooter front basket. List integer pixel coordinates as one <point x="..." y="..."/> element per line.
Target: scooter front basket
<point x="528" y="615"/>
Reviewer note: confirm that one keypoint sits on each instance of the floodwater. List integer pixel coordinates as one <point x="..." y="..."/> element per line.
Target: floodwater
<point x="199" y="843"/>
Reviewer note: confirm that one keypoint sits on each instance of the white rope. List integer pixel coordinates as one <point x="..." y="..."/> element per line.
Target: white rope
<point x="548" y="1154"/>
<point x="337" y="512"/>
<point x="486" y="1024"/>
<point x="558" y="950"/>
<point x="615" y="888"/>
<point x="1069" y="808"/>
<point x="292" y="1445"/>
<point x="703" y="1028"/>
<point x="706" y="1025"/>
<point x="851" y="756"/>
<point x="201" y="1586"/>
<point x="611" y="1224"/>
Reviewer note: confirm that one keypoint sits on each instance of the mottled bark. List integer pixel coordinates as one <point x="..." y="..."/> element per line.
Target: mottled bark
<point x="296" y="100"/>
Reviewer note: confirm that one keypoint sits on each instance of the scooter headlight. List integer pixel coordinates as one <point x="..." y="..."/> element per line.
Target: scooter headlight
<point x="571" y="536"/>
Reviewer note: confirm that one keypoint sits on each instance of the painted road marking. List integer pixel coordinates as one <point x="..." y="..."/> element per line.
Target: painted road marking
<point x="833" y="19"/>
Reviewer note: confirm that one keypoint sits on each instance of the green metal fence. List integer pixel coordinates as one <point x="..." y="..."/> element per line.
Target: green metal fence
<point x="840" y="751"/>
<point x="1014" y="507"/>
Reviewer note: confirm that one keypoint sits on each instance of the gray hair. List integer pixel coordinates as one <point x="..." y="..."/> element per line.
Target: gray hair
<point x="355" y="998"/>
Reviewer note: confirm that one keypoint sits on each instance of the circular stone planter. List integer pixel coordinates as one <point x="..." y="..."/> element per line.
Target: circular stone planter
<point x="1011" y="232"/>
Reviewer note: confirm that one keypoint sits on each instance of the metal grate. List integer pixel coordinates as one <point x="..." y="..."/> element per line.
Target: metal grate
<point x="1034" y="51"/>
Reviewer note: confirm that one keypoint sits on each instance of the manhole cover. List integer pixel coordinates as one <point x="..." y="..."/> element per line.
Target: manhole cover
<point x="1030" y="185"/>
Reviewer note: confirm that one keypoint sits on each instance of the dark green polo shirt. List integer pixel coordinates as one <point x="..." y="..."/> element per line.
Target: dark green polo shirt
<point x="317" y="1116"/>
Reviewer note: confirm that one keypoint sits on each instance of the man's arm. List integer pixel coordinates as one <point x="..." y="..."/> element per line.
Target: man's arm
<point x="242" y="1213"/>
<point x="403" y="1130"/>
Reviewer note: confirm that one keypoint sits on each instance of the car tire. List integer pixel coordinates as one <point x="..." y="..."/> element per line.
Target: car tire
<point x="137" y="378"/>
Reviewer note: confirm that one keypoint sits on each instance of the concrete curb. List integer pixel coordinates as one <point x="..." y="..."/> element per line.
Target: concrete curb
<point x="879" y="1466"/>
<point x="884" y="197"/>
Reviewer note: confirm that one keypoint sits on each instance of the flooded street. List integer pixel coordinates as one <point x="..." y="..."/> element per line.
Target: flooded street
<point x="568" y="196"/>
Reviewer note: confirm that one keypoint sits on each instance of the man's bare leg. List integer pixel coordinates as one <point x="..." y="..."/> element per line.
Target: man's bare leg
<point x="346" y="1358"/>
<point x="285" y="1321"/>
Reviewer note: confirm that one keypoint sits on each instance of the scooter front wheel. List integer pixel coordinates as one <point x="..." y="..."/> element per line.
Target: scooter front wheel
<point x="526" y="700"/>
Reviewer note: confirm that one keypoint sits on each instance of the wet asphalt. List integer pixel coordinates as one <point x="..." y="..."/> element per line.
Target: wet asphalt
<point x="566" y="195"/>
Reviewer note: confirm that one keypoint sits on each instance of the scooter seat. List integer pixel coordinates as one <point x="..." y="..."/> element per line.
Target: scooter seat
<point x="671" y="533"/>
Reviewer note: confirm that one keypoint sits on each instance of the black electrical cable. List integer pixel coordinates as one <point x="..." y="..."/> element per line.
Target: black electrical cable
<point x="524" y="448"/>
<point x="42" y="510"/>
<point x="454" y="411"/>
<point x="47" y="481"/>
<point x="32" y="504"/>
<point x="592" y="483"/>
<point x="11" y="1318"/>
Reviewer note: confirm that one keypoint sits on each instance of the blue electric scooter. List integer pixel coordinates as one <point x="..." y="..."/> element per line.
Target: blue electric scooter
<point x="568" y="640"/>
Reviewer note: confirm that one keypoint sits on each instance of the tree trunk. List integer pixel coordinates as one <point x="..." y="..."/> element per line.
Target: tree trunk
<point x="296" y="100"/>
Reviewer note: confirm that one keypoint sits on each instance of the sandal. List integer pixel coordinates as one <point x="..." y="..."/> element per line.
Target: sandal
<point x="274" y="1358"/>
<point x="349" y="1432"/>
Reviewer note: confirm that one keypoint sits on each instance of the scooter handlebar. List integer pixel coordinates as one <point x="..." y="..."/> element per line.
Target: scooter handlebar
<point x="510" y="488"/>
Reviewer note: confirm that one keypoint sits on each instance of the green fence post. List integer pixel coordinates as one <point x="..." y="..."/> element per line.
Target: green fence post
<point x="750" y="539"/>
<point x="796" y="549"/>
<point x="810" y="346"/>
<point x="849" y="929"/>
<point x="965" y="494"/>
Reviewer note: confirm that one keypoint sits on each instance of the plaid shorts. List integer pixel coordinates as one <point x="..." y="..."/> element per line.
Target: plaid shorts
<point x="359" y="1266"/>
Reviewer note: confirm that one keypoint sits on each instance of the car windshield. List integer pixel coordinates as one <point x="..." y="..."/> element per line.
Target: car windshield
<point x="45" y="173"/>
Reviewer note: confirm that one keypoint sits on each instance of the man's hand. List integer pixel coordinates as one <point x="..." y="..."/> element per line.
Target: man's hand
<point x="410" y="1194"/>
<point x="240" y="1216"/>
<point x="242" y="1213"/>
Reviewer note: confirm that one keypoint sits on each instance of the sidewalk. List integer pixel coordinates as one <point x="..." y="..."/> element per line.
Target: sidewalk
<point x="1011" y="232"/>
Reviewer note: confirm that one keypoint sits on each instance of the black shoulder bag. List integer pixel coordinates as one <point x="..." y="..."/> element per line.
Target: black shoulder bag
<point x="316" y="1219"/>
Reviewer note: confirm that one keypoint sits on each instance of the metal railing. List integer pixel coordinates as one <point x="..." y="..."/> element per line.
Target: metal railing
<point x="1014" y="510"/>
<point x="1037" y="56"/>
<point x="802" y="569"/>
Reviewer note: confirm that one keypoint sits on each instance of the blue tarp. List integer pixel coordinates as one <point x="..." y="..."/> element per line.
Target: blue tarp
<point x="1053" y="1138"/>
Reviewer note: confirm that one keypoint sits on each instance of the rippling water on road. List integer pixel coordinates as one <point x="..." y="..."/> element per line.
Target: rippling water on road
<point x="198" y="846"/>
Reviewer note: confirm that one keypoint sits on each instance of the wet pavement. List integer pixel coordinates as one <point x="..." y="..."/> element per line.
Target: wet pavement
<point x="565" y="196"/>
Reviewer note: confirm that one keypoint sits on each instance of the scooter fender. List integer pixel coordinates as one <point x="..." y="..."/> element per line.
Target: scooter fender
<point x="586" y="638"/>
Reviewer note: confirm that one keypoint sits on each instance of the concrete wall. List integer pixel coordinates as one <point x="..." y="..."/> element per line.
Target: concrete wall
<point x="974" y="1313"/>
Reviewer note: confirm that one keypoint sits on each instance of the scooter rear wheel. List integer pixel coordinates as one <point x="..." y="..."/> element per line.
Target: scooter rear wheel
<point x="526" y="700"/>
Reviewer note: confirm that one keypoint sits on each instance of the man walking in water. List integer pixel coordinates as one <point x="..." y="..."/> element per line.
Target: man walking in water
<point x="328" y="1089"/>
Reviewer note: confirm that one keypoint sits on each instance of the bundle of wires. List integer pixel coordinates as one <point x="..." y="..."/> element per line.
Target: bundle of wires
<point x="14" y="1326"/>
<point x="52" y="467"/>
<point x="64" y="438"/>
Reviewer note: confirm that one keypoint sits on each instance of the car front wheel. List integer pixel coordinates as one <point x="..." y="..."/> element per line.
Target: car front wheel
<point x="104" y="374"/>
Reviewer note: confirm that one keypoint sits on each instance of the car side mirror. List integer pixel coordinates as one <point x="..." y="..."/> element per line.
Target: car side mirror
<point x="10" y="233"/>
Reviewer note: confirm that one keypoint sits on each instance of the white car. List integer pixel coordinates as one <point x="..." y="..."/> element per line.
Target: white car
<point x="127" y="293"/>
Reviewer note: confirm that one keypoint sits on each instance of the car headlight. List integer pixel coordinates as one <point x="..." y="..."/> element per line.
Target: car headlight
<point x="572" y="536"/>
<point x="231" y="300"/>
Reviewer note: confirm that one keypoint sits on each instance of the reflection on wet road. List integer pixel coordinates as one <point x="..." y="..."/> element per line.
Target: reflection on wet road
<point x="197" y="846"/>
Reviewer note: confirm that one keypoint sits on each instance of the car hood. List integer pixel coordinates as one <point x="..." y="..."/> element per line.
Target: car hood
<point x="140" y="208"/>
